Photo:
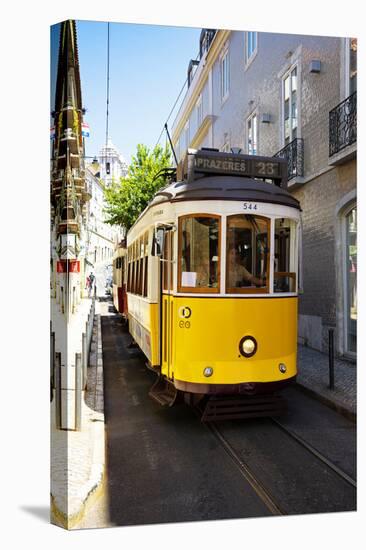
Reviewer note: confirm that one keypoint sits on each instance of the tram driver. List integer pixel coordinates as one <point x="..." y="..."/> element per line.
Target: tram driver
<point x="237" y="273"/>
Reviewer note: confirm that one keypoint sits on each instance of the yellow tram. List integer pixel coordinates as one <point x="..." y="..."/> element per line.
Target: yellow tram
<point x="213" y="276"/>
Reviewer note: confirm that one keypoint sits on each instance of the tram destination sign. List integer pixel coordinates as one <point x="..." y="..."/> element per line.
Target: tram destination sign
<point x="238" y="165"/>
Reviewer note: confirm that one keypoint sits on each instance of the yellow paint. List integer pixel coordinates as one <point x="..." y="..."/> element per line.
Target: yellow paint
<point x="167" y="335"/>
<point x="210" y="338"/>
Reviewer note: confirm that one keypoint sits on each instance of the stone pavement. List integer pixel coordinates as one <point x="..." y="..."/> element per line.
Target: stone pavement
<point x="313" y="377"/>
<point x="78" y="457"/>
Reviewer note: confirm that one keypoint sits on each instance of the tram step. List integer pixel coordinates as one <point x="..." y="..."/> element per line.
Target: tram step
<point x="163" y="392"/>
<point x="241" y="407"/>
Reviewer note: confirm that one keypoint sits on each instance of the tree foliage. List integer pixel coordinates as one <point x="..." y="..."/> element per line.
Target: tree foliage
<point x="126" y="199"/>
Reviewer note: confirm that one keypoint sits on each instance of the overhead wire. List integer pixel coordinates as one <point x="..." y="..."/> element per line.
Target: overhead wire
<point x="175" y="103"/>
<point x="107" y="115"/>
<point x="170" y="114"/>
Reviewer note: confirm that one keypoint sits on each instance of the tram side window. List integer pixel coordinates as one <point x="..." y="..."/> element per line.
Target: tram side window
<point x="129" y="270"/>
<point x="167" y="264"/>
<point x="199" y="254"/>
<point x="120" y="271"/>
<point x="146" y="252"/>
<point x="135" y="271"/>
<point x="285" y="255"/>
<point x="140" y="267"/>
<point x="247" y="254"/>
<point x="114" y="272"/>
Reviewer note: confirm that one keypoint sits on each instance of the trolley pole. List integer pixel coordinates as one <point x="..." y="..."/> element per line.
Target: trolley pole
<point x="331" y="359"/>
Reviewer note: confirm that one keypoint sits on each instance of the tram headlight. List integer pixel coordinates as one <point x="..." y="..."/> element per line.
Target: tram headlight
<point x="208" y="371"/>
<point x="248" y="346"/>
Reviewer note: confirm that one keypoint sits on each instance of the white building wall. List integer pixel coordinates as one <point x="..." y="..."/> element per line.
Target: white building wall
<point x="101" y="238"/>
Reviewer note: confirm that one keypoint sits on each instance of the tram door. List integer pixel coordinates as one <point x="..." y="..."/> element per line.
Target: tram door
<point x="167" y="305"/>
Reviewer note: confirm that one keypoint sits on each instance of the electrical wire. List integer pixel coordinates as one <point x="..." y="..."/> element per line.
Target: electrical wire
<point x="175" y="103"/>
<point x="107" y="116"/>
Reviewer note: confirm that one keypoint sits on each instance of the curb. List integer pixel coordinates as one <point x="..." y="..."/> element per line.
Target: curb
<point x="94" y="487"/>
<point x="341" y="409"/>
<point x="69" y="522"/>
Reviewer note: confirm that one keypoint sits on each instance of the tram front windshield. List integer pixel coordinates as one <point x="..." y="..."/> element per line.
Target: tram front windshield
<point x="247" y="252"/>
<point x="200" y="252"/>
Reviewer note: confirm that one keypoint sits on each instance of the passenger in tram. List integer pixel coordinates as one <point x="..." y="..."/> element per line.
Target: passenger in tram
<point x="238" y="274"/>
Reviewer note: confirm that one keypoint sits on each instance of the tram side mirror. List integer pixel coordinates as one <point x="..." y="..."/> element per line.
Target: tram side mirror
<point x="158" y="242"/>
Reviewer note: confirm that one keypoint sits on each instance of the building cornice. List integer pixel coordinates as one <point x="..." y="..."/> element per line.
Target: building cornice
<point x="198" y="83"/>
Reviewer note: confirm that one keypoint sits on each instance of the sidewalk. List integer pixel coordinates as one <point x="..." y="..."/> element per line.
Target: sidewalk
<point x="78" y="457"/>
<point x="313" y="377"/>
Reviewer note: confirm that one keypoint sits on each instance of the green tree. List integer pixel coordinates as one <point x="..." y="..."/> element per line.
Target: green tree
<point x="127" y="198"/>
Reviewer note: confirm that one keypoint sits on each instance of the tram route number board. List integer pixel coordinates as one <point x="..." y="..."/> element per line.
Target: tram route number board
<point x="242" y="166"/>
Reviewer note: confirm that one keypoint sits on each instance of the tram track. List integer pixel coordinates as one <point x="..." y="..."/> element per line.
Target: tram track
<point x="253" y="481"/>
<point x="267" y="497"/>
<point x="316" y="453"/>
<point x="246" y="472"/>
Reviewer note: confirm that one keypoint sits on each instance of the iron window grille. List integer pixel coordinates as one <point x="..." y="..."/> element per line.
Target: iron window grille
<point x="343" y="125"/>
<point x="293" y="152"/>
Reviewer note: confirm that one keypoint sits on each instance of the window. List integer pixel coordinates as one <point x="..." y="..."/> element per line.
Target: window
<point x="199" y="111"/>
<point x="352" y="65"/>
<point x="251" y="45"/>
<point x="140" y="256"/>
<point x="135" y="266"/>
<point x="114" y="272"/>
<point x="167" y="264"/>
<point x="129" y="269"/>
<point x="186" y="136"/>
<point x="290" y="105"/>
<point x="206" y="38"/>
<point x="285" y="255"/>
<point x="199" y="253"/>
<point x="247" y="254"/>
<point x="351" y="280"/>
<point x="225" y="75"/>
<point x="192" y="67"/>
<point x="146" y="259"/>
<point x="252" y="135"/>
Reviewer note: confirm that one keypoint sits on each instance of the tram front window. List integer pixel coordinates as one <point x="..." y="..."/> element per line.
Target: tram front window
<point x="199" y="253"/>
<point x="285" y="256"/>
<point x="247" y="254"/>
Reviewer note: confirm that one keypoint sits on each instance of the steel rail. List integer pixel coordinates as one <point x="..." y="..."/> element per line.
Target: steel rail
<point x="316" y="453"/>
<point x="256" y="485"/>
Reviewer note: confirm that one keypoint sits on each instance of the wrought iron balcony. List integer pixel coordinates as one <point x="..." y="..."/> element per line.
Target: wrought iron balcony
<point x="294" y="154"/>
<point x="343" y="125"/>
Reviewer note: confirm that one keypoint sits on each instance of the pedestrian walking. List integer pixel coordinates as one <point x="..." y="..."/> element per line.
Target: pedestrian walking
<point x="88" y="285"/>
<point x="92" y="280"/>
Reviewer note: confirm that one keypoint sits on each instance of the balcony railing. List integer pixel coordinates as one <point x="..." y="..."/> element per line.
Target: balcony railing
<point x="294" y="154"/>
<point x="343" y="125"/>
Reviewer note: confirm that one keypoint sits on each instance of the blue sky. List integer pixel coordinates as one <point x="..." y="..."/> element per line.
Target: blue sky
<point x="148" y="67"/>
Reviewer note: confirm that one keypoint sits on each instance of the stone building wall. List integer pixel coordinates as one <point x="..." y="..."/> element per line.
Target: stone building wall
<point x="256" y="87"/>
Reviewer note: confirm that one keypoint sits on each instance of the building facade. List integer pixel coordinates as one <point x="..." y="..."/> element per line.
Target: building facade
<point x="101" y="238"/>
<point x="292" y="96"/>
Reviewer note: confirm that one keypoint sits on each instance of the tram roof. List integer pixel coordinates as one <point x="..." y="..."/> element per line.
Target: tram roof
<point x="229" y="188"/>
